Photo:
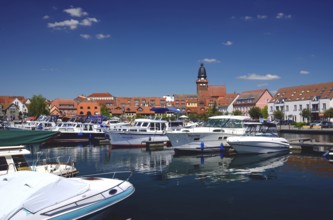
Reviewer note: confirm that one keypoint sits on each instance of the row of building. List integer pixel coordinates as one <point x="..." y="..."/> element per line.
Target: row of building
<point x="291" y="100"/>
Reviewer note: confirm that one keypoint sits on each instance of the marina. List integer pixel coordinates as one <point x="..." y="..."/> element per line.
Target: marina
<point x="212" y="186"/>
<point x="132" y="110"/>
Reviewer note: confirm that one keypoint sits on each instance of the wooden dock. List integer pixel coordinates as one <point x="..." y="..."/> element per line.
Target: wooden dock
<point x="310" y="145"/>
<point x="155" y="145"/>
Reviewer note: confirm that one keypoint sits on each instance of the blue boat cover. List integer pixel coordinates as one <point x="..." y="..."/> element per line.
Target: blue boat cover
<point x="164" y="110"/>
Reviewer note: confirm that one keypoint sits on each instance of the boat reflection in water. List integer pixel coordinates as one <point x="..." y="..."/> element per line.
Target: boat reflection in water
<point x="214" y="168"/>
<point x="102" y="159"/>
<point x="164" y="163"/>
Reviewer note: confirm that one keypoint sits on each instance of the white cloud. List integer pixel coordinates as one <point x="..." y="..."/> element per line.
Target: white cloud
<point x="88" y="21"/>
<point x="281" y="15"/>
<point x="227" y="43"/>
<point x="76" y="12"/>
<point x="304" y="72"/>
<point x="102" y="36"/>
<point x="210" y="60"/>
<point x="71" y="24"/>
<point x="46" y="17"/>
<point x="248" y="18"/>
<point x="85" y="36"/>
<point x="262" y="17"/>
<point x="254" y="76"/>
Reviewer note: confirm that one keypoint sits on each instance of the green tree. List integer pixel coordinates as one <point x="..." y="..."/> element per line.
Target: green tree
<point x="237" y="112"/>
<point x="264" y="112"/>
<point x="38" y="106"/>
<point x="306" y="113"/>
<point x="105" y="111"/>
<point x="255" y="113"/>
<point x="278" y="115"/>
<point x="328" y="113"/>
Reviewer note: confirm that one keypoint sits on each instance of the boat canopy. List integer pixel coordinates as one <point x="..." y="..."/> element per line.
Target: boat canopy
<point x="164" y="110"/>
<point x="24" y="137"/>
<point x="35" y="191"/>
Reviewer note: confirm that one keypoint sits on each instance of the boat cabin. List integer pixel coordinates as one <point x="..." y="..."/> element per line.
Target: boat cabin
<point x="12" y="159"/>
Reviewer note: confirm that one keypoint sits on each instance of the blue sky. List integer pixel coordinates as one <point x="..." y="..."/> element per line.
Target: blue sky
<point x="62" y="49"/>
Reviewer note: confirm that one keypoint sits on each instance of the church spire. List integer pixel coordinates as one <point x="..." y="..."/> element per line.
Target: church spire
<point x="202" y="72"/>
<point x="202" y="82"/>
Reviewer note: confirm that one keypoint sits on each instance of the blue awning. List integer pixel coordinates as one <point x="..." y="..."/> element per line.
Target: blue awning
<point x="164" y="110"/>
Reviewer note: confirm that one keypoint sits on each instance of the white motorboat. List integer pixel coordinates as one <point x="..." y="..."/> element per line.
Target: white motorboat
<point x="259" y="138"/>
<point x="78" y="132"/>
<point x="113" y="124"/>
<point x="12" y="159"/>
<point x="34" y="195"/>
<point x="209" y="137"/>
<point x="142" y="131"/>
<point x="43" y="122"/>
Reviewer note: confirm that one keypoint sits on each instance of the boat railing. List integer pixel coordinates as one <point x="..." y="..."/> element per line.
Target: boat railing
<point x="53" y="161"/>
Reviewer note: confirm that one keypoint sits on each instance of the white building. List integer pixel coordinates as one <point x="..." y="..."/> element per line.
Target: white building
<point x="292" y="100"/>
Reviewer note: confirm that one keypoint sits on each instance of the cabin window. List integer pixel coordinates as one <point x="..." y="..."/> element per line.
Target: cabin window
<point x="145" y="124"/>
<point x="152" y="126"/>
<point x="20" y="162"/>
<point x="3" y="163"/>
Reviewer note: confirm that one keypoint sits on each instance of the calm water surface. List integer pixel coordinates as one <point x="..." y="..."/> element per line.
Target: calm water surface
<point x="292" y="186"/>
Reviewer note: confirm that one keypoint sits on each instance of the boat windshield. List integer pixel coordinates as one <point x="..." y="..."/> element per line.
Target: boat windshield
<point x="261" y="130"/>
<point x="215" y="122"/>
<point x="224" y="123"/>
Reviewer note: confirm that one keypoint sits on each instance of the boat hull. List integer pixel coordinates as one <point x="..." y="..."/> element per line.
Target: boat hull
<point x="198" y="143"/>
<point x="135" y="139"/>
<point x="258" y="145"/>
<point x="90" y="210"/>
<point x="79" y="137"/>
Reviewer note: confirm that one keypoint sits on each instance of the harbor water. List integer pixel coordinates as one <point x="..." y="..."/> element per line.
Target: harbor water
<point x="286" y="186"/>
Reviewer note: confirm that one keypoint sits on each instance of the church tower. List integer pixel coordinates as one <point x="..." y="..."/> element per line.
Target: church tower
<point x="202" y="82"/>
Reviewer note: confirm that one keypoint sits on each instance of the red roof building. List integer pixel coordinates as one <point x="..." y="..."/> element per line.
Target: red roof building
<point x="63" y="107"/>
<point x="254" y="98"/>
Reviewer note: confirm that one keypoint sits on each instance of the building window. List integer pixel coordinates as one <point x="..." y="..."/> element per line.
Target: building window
<point x="271" y="108"/>
<point x="295" y="108"/>
<point x="324" y="106"/>
<point x="300" y="107"/>
<point x="287" y="108"/>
